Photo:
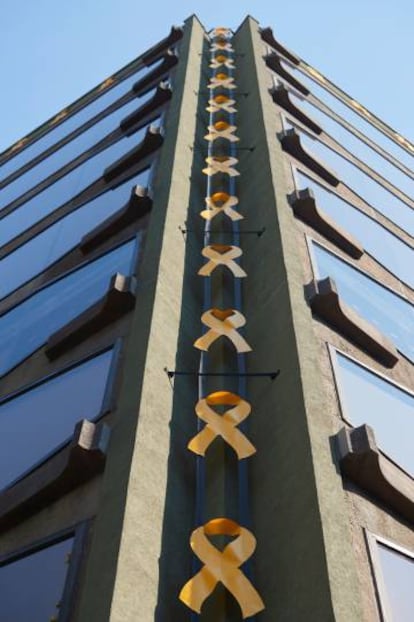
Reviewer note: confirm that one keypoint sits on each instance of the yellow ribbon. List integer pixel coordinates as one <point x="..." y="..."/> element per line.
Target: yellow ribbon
<point x="222" y="61"/>
<point x="222" y="322"/>
<point x="220" y="103"/>
<point x="221" y="129"/>
<point x="221" y="80"/>
<point x="221" y="164"/>
<point x="222" y="566"/>
<point x="221" y="31"/>
<point x="222" y="255"/>
<point x="227" y="201"/>
<point x="222" y="425"/>
<point x="220" y="46"/>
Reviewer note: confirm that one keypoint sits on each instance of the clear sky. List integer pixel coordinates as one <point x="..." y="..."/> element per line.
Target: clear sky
<point x="52" y="52"/>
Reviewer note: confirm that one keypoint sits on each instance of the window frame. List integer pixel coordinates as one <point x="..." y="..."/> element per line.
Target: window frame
<point x="80" y="533"/>
<point x="108" y="401"/>
<point x="372" y="540"/>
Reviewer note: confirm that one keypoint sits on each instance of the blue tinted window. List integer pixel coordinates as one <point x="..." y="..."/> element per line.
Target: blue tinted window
<point x="72" y="123"/>
<point x="54" y="407"/>
<point x="47" y="247"/>
<point x="68" y="152"/>
<point x="28" y="326"/>
<point x="352" y="117"/>
<point x="392" y="316"/>
<point x="368" y="399"/>
<point x="32" y="587"/>
<point x="64" y="189"/>
<point x="376" y="240"/>
<point x="398" y="573"/>
<point x="363" y="185"/>
<point x="358" y="148"/>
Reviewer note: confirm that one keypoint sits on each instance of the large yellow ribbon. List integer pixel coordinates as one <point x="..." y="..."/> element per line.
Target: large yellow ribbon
<point x="222" y="255"/>
<point x="227" y="201"/>
<point x="221" y="103"/>
<point x="221" y="80"/>
<point x="222" y="61"/>
<point x="223" y="322"/>
<point x="222" y="425"/>
<point x="222" y="129"/>
<point x="221" y="164"/>
<point x="222" y="566"/>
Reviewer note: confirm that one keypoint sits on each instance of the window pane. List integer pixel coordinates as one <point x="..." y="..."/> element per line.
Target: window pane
<point x="363" y="185"/>
<point x="50" y="245"/>
<point x="71" y="124"/>
<point x="54" y="407"/>
<point x="358" y="148"/>
<point x="31" y="587"/>
<point x="28" y="326"/>
<point x="392" y="315"/>
<point x="398" y="572"/>
<point x="348" y="114"/>
<point x="64" y="189"/>
<point x="376" y="240"/>
<point x="386" y="408"/>
<point x="68" y="152"/>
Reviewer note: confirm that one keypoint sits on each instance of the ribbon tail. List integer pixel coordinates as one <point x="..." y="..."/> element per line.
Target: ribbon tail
<point x="205" y="341"/>
<point x="246" y="595"/>
<point x="201" y="442"/>
<point x="198" y="589"/>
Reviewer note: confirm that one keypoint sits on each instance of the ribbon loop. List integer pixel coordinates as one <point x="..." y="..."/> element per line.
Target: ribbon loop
<point x="221" y="164"/>
<point x="222" y="255"/>
<point x="222" y="425"/>
<point x="223" y="322"/>
<point x="227" y="203"/>
<point x="223" y="566"/>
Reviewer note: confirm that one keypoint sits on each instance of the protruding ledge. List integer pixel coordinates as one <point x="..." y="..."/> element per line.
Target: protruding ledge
<point x="119" y="299"/>
<point x="269" y="38"/>
<point x="151" y="142"/>
<point x="153" y="77"/>
<point x="273" y="62"/>
<point x="82" y="460"/>
<point x="280" y="96"/>
<point x="362" y="463"/>
<point x="158" y="49"/>
<point x="147" y="113"/>
<point x="325" y="302"/>
<point x="291" y="144"/>
<point x="139" y="204"/>
<point x="304" y="207"/>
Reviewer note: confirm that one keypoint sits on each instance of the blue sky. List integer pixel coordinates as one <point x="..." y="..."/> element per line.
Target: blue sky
<point x="52" y="52"/>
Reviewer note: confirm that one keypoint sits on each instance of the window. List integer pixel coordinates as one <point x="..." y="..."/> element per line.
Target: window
<point x="31" y="587"/>
<point x="358" y="148"/>
<point x="27" y="326"/>
<point x="72" y="123"/>
<point x="64" y="189"/>
<point x="43" y="250"/>
<point x="53" y="406"/>
<point x="367" y="398"/>
<point x="394" y="573"/>
<point x="352" y="117"/>
<point x="364" y="186"/>
<point x="385" y="247"/>
<point x="391" y="315"/>
<point x="67" y="153"/>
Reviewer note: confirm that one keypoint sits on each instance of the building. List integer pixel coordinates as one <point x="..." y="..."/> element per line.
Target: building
<point x="206" y="317"/>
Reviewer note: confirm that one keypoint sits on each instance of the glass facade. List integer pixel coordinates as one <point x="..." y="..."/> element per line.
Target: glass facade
<point x="391" y="315"/>
<point x="70" y="151"/>
<point x="31" y="587"/>
<point x="43" y="250"/>
<point x="73" y="122"/>
<point x="27" y="326"/>
<point x="367" y="398"/>
<point x="36" y="422"/>
<point x="385" y="247"/>
<point x="398" y="578"/>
